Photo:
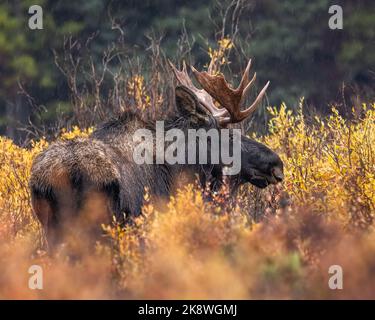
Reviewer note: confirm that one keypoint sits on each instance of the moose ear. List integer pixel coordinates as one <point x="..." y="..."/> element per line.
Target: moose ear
<point x="188" y="105"/>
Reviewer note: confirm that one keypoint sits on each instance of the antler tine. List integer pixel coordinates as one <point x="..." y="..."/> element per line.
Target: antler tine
<point x="184" y="70"/>
<point x="246" y="113"/>
<point x="245" y="78"/>
<point x="247" y="88"/>
<point x="181" y="76"/>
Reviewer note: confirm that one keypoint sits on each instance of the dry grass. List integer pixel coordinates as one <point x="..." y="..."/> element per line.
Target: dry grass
<point x="275" y="243"/>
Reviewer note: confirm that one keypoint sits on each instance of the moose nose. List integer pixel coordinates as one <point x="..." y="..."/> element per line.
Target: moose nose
<point x="278" y="174"/>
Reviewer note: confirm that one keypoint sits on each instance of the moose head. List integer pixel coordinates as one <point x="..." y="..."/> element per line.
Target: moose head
<point x="259" y="165"/>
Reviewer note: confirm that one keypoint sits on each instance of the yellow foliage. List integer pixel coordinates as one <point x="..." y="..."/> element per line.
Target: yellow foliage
<point x="330" y="164"/>
<point x="189" y="248"/>
<point x="219" y="56"/>
<point x="75" y="132"/>
<point x="136" y="88"/>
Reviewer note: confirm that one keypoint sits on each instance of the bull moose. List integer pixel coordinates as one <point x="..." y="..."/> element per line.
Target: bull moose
<point x="85" y="181"/>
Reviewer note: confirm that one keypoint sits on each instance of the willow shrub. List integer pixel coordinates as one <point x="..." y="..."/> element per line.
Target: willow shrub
<point x="189" y="248"/>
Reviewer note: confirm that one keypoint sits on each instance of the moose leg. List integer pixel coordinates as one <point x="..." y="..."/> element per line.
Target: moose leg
<point x="96" y="208"/>
<point x="45" y="211"/>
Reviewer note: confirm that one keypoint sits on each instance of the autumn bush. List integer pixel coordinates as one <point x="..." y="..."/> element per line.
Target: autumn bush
<point x="272" y="243"/>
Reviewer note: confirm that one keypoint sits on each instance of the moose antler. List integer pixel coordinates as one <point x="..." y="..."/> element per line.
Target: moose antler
<point x="231" y="99"/>
<point x="204" y="98"/>
<point x="215" y="86"/>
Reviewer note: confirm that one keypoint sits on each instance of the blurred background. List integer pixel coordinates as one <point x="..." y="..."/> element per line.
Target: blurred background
<point x="98" y="40"/>
<point x="96" y="58"/>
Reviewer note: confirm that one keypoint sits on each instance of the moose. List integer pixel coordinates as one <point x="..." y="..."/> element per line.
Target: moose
<point x="85" y="181"/>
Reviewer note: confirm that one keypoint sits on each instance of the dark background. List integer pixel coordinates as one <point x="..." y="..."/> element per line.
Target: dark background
<point x="290" y="41"/>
